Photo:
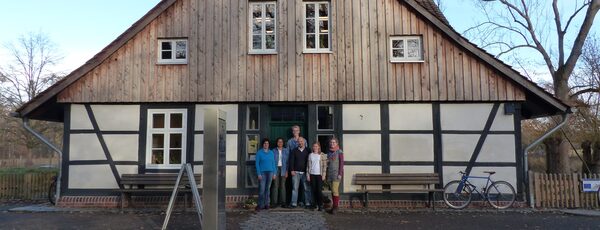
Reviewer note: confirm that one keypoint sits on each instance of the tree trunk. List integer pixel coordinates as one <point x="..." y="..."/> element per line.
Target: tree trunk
<point x="557" y="157"/>
<point x="595" y="166"/>
<point x="586" y="147"/>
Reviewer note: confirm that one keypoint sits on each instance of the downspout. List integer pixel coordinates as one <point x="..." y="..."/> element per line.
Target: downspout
<point x="53" y="147"/>
<point x="565" y="119"/>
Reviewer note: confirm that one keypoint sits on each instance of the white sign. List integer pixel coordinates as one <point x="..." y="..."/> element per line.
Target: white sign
<point x="590" y="185"/>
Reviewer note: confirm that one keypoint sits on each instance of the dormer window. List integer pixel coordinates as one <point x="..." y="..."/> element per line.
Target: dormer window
<point x="172" y="51"/>
<point x="406" y="49"/>
<point x="263" y="24"/>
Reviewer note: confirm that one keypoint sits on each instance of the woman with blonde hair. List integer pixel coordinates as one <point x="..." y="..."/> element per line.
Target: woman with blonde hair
<point x="317" y="170"/>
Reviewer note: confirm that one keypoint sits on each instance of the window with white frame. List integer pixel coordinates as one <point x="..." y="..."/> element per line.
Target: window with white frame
<point x="172" y="51"/>
<point x="406" y="49"/>
<point x="166" y="138"/>
<point x="317" y="35"/>
<point x="263" y="27"/>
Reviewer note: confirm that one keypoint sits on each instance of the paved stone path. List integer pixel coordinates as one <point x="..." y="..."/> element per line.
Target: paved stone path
<point x="277" y="220"/>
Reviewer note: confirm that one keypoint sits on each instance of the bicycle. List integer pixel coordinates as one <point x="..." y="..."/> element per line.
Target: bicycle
<point x="52" y="191"/>
<point x="459" y="193"/>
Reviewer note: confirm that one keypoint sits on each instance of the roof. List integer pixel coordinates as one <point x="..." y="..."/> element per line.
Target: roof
<point x="538" y="102"/>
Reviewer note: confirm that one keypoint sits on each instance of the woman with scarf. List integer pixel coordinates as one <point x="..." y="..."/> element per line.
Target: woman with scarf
<point x="335" y="171"/>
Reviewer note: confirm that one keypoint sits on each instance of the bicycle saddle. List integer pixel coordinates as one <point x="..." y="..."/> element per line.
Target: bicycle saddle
<point x="489" y="172"/>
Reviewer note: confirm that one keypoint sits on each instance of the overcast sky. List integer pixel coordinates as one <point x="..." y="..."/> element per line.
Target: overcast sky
<point x="81" y="28"/>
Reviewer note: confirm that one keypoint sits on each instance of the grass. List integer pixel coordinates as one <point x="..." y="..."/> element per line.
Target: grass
<point x="26" y="170"/>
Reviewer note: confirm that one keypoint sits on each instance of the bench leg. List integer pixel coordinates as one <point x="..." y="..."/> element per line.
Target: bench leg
<point x="366" y="200"/>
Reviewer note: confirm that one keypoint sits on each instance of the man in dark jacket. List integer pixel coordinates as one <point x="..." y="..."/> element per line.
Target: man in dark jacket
<point x="298" y="159"/>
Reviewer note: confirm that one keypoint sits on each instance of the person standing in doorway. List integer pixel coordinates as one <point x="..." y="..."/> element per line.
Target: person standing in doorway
<point x="265" y="168"/>
<point x="278" y="191"/>
<point x="335" y="171"/>
<point x="298" y="160"/>
<point x="317" y="170"/>
<point x="293" y="142"/>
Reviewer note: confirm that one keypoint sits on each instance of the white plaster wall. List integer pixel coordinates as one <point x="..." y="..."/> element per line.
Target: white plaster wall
<point x="91" y="177"/>
<point x="122" y="147"/>
<point x="464" y="116"/>
<point x="411" y="117"/>
<point x="411" y="147"/>
<point x="498" y="148"/>
<point x="230" y="109"/>
<point x="199" y="169"/>
<point x="458" y="147"/>
<point x="231" y="176"/>
<point x="80" y="118"/>
<point x="503" y="122"/>
<point x="350" y="170"/>
<point x="362" y="147"/>
<point x="361" y="117"/>
<point x="411" y="169"/>
<point x="230" y="151"/>
<point x="117" y="117"/>
<point x="508" y="174"/>
<point x="85" y="147"/>
<point x="127" y="169"/>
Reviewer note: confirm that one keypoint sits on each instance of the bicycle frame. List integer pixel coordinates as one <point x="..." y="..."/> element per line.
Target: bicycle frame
<point x="464" y="181"/>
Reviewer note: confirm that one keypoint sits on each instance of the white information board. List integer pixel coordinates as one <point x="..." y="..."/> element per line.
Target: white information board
<point x="590" y="185"/>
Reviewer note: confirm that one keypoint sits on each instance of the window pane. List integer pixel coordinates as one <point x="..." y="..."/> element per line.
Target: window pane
<point x="257" y="26"/>
<point x="270" y="11"/>
<point x="270" y="39"/>
<point x="175" y="140"/>
<point x="158" y="121"/>
<point x="397" y="44"/>
<point x="324" y="27"/>
<point x="398" y="53"/>
<point x="253" y="113"/>
<point x="324" y="142"/>
<point x="157" y="157"/>
<point x="269" y="26"/>
<point x="158" y="141"/>
<point x="256" y="42"/>
<point x="310" y="25"/>
<point x="166" y="55"/>
<point x="251" y="146"/>
<point x="166" y="46"/>
<point x="413" y="48"/>
<point x="180" y="50"/>
<point x="323" y="41"/>
<point x="176" y="120"/>
<point x="310" y="41"/>
<point x="175" y="157"/>
<point x="256" y="11"/>
<point x="323" y="10"/>
<point x="251" y="176"/>
<point x="310" y="10"/>
<point x="325" y="117"/>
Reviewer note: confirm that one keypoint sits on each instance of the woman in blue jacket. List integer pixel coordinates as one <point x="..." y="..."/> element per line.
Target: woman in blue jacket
<point x="265" y="168"/>
<point x="278" y="193"/>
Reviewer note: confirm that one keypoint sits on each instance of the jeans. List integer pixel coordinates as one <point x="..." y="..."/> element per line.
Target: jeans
<point x="264" y="188"/>
<point x="278" y="191"/>
<point x="316" y="184"/>
<point x="300" y="177"/>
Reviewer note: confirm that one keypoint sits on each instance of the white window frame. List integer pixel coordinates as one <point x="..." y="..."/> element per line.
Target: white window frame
<point x="263" y="50"/>
<point x="405" y="41"/>
<point x="173" y="59"/>
<point x="317" y="32"/>
<point x="166" y="131"/>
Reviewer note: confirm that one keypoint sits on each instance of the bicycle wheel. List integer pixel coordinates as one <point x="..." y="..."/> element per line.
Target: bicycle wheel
<point x="501" y="194"/>
<point x="454" y="198"/>
<point x="52" y="191"/>
<point x="598" y="196"/>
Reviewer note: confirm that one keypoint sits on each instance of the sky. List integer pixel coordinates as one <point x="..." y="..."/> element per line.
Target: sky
<point x="80" y="29"/>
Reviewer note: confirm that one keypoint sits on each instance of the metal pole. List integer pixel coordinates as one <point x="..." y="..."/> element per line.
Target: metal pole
<point x="194" y="186"/>
<point x="173" y="197"/>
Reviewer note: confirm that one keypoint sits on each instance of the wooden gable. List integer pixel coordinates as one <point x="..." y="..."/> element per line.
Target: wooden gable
<point x="358" y="69"/>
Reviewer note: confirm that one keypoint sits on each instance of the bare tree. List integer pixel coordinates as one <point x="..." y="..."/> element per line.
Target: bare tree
<point x="555" y="35"/>
<point x="22" y="78"/>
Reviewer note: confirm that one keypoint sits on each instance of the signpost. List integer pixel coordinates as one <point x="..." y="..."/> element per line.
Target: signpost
<point x="213" y="176"/>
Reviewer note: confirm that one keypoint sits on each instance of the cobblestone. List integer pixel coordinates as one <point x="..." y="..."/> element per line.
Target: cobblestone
<point x="277" y="220"/>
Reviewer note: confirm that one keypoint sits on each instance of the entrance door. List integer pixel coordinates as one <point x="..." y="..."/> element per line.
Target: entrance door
<point x="282" y="118"/>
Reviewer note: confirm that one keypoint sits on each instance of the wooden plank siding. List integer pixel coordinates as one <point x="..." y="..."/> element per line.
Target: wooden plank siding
<point x="358" y="69"/>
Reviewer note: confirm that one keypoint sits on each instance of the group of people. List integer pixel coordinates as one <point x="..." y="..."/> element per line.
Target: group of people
<point x="307" y="167"/>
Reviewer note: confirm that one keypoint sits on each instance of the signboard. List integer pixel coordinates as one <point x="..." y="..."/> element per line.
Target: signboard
<point x="590" y="185"/>
<point x="213" y="176"/>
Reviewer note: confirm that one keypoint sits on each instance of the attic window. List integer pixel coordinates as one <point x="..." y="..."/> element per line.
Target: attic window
<point x="172" y="51"/>
<point x="406" y="49"/>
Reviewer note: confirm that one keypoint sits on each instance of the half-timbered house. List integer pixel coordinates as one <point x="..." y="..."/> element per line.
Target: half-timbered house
<point x="400" y="88"/>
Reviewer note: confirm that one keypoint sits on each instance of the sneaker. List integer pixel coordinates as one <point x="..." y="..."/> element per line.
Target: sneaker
<point x="293" y="206"/>
<point x="320" y="209"/>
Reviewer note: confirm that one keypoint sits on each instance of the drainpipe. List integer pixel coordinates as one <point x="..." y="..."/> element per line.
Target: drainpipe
<point x="565" y="119"/>
<point x="52" y="146"/>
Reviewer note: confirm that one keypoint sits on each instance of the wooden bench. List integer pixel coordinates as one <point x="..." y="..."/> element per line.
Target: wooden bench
<point x="149" y="184"/>
<point x="428" y="181"/>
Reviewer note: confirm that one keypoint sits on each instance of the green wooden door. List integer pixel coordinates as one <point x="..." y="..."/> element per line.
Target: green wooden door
<point x="283" y="118"/>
